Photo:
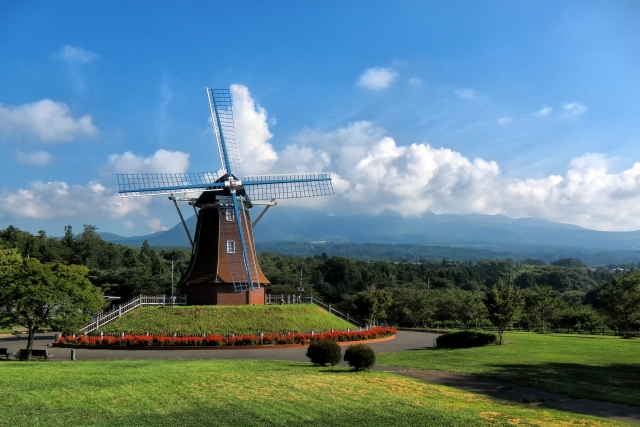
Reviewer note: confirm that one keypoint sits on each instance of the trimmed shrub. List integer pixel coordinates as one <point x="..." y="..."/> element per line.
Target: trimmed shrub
<point x="464" y="339"/>
<point x="323" y="352"/>
<point x="360" y="356"/>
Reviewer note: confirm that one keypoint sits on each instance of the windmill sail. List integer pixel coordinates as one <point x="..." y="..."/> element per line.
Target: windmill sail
<point x="292" y="186"/>
<point x="139" y="184"/>
<point x="222" y="119"/>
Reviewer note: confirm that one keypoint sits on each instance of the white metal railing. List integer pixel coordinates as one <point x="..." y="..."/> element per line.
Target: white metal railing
<point x="282" y="299"/>
<point x="333" y="311"/>
<point x="104" y="317"/>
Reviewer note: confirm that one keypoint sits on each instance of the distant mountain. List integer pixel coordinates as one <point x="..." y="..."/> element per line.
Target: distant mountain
<point x="495" y="233"/>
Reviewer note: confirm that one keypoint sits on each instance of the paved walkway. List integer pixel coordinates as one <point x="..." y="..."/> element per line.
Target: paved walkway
<point x="405" y="341"/>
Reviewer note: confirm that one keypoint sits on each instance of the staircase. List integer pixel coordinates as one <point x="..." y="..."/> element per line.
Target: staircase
<point x="104" y="317"/>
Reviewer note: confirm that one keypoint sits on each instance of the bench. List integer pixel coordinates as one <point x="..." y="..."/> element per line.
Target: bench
<point x="5" y="352"/>
<point x="42" y="354"/>
<point x="23" y="331"/>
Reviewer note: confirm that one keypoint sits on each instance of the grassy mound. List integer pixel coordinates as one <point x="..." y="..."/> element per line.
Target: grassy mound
<point x="244" y="319"/>
<point x="246" y="393"/>
<point x="586" y="366"/>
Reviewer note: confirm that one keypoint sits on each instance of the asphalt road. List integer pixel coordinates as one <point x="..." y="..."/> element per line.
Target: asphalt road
<point x="404" y="341"/>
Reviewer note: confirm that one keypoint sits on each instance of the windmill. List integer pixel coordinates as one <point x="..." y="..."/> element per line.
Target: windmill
<point x="223" y="268"/>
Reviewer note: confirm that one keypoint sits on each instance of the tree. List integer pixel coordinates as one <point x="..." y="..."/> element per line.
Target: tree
<point x="544" y="303"/>
<point x="372" y="304"/>
<point x="621" y="298"/>
<point x="37" y="295"/>
<point x="470" y="308"/>
<point x="504" y="304"/>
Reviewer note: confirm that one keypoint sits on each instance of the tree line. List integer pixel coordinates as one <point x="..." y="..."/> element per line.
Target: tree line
<point x="563" y="294"/>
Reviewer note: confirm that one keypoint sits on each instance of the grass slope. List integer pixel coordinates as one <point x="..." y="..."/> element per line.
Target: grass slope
<point x="245" y="393"/>
<point x="243" y="319"/>
<point x="594" y="367"/>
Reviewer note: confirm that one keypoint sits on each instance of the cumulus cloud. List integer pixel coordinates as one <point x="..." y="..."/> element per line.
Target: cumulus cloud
<point x="544" y="111"/>
<point x="39" y="158"/>
<point x="377" y="78"/>
<point x="372" y="173"/>
<point x="503" y="121"/>
<point x="58" y="200"/>
<point x="76" y="55"/>
<point x="52" y="200"/>
<point x="415" y="81"/>
<point x="252" y="132"/>
<point x="466" y="93"/>
<point x="162" y="161"/>
<point x="44" y="120"/>
<point x="574" y="108"/>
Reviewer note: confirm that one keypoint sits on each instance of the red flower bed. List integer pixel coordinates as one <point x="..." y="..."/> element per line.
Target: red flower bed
<point x="220" y="340"/>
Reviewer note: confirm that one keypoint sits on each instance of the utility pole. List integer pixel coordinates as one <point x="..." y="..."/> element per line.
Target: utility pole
<point x="300" y="288"/>
<point x="171" y="278"/>
<point x="428" y="285"/>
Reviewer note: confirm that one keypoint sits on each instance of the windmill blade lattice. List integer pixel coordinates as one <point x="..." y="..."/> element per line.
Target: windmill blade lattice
<point x="290" y="186"/>
<point x="138" y="184"/>
<point x="222" y="118"/>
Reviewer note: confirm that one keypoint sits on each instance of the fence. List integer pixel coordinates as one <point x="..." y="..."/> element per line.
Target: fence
<point x="107" y="316"/>
<point x="282" y="299"/>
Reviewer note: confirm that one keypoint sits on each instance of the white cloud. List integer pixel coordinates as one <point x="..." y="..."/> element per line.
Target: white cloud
<point x="574" y="108"/>
<point x="162" y="161"/>
<point x="504" y="121"/>
<point x="466" y="93"/>
<point x="377" y="78"/>
<point x="40" y="158"/>
<point x="76" y="55"/>
<point x="252" y="132"/>
<point x="371" y="173"/>
<point x="155" y="225"/>
<point x="60" y="200"/>
<point x="544" y="111"/>
<point x="415" y="81"/>
<point x="45" y="120"/>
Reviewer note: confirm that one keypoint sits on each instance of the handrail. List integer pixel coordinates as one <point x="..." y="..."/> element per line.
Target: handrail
<point x="103" y="317"/>
<point x="332" y="310"/>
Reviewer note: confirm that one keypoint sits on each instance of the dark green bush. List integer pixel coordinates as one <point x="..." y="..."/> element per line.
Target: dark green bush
<point x="360" y="356"/>
<point x="465" y="339"/>
<point x="323" y="352"/>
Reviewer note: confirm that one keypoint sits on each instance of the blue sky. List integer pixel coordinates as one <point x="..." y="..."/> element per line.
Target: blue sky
<point x="526" y="108"/>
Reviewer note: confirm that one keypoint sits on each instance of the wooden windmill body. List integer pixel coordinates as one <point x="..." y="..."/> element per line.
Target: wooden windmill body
<point x="224" y="267"/>
<point x="209" y="278"/>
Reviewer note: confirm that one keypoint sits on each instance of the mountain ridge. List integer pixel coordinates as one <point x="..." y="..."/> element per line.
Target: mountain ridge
<point x="499" y="234"/>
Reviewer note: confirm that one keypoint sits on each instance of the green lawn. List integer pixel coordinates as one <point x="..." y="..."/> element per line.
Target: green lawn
<point x="245" y="393"/>
<point x="246" y="319"/>
<point x="593" y="367"/>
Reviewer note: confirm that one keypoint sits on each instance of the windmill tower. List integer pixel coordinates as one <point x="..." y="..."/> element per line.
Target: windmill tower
<point x="223" y="268"/>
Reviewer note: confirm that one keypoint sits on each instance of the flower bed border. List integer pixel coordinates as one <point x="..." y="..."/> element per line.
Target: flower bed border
<point x="213" y="347"/>
<point x="154" y="342"/>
